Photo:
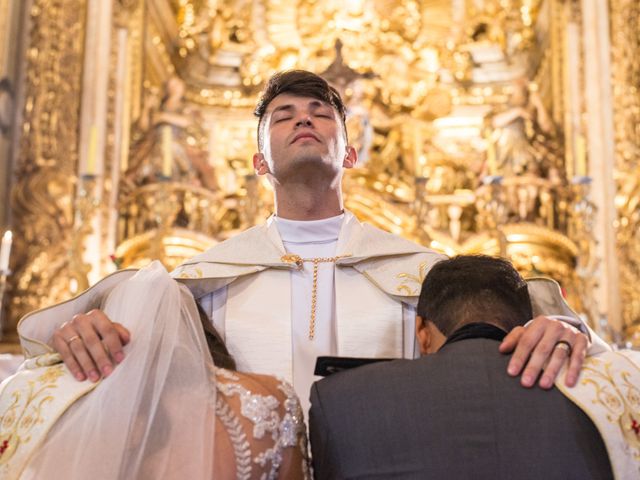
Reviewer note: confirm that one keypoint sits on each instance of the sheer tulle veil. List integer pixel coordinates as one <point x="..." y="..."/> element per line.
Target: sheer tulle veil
<point x="154" y="417"/>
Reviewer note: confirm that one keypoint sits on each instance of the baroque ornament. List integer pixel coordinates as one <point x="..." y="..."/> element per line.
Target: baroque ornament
<point x="457" y="115"/>
<point x="42" y="197"/>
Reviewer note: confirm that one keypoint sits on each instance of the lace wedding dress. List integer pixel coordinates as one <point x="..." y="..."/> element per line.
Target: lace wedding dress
<point x="259" y="423"/>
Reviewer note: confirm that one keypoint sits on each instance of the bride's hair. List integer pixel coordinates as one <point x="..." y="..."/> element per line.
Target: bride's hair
<point x="221" y="356"/>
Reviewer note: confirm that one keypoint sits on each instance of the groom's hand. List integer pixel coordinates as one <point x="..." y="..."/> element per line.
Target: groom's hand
<point x="545" y="344"/>
<point x="90" y="345"/>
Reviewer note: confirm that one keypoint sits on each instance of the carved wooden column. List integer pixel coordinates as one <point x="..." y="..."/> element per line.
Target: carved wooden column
<point x="625" y="52"/>
<point x="600" y="130"/>
<point x="126" y="72"/>
<point x="11" y="12"/>
<point x="572" y="85"/>
<point x="93" y="126"/>
<point x="47" y="155"/>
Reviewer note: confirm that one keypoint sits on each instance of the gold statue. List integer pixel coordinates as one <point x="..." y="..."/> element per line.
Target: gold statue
<point x="515" y="128"/>
<point x="172" y="144"/>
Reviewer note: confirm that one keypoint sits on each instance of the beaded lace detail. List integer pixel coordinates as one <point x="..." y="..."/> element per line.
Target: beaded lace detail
<point x="263" y="412"/>
<point x="241" y="448"/>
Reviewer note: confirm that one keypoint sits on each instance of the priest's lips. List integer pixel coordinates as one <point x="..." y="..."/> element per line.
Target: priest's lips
<point x="304" y="135"/>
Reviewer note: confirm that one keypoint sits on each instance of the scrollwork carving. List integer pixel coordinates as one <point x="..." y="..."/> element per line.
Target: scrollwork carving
<point x="422" y="72"/>
<point x="42" y="197"/>
<point x="625" y="43"/>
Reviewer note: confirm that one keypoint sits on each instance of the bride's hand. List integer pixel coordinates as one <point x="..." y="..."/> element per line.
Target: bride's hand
<point x="90" y="345"/>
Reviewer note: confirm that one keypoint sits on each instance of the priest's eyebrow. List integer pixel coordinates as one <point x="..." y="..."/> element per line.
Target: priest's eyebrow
<point x="289" y="108"/>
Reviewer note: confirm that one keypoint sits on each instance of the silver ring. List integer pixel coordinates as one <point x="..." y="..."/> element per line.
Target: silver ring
<point x="564" y="345"/>
<point x="75" y="337"/>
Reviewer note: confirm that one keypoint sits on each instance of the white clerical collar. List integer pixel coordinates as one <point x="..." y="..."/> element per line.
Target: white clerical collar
<point x="304" y="231"/>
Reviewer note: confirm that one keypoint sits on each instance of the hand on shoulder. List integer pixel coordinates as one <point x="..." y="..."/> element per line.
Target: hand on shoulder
<point x="90" y="345"/>
<point x="544" y="345"/>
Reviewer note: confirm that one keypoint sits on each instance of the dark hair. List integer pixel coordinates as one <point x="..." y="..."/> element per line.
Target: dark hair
<point x="219" y="353"/>
<point x="300" y="83"/>
<point x="474" y="288"/>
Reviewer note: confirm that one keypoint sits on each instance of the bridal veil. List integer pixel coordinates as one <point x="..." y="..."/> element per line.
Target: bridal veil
<point x="154" y="416"/>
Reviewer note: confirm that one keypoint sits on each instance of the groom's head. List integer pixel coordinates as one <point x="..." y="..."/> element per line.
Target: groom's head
<point x="470" y="289"/>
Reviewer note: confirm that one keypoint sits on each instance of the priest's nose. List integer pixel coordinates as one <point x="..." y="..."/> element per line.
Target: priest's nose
<point x="304" y="122"/>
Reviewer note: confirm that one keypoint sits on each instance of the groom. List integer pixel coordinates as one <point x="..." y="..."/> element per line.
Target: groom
<point x="453" y="413"/>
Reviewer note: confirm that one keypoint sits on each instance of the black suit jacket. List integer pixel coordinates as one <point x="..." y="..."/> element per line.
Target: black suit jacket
<point x="453" y="415"/>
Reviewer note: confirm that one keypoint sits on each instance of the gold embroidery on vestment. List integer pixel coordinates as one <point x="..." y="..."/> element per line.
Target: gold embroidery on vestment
<point x="25" y="412"/>
<point x="619" y="396"/>
<point x="192" y="273"/>
<point x="412" y="283"/>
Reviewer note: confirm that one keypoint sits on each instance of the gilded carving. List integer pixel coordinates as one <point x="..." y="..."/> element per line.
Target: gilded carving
<point x="458" y="119"/>
<point x="124" y="10"/>
<point x="405" y="75"/>
<point x="172" y="144"/>
<point x="625" y="17"/>
<point x="42" y="196"/>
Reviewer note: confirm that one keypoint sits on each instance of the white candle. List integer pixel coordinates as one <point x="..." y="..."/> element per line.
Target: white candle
<point x="5" y="250"/>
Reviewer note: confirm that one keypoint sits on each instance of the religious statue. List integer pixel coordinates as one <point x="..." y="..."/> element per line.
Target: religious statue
<point x="514" y="130"/>
<point x="172" y="144"/>
<point x="215" y="41"/>
<point x="522" y="147"/>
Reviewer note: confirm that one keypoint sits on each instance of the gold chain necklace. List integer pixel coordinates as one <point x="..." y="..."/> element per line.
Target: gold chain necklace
<point x="291" y="258"/>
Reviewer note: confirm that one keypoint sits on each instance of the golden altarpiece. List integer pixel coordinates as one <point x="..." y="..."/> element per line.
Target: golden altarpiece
<point x="505" y="127"/>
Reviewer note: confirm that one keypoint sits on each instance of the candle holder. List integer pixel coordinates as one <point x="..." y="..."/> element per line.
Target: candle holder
<point x="165" y="211"/>
<point x="86" y="205"/>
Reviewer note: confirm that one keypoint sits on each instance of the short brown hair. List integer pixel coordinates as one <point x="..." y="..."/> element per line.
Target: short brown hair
<point x="300" y="83"/>
<point x="474" y="288"/>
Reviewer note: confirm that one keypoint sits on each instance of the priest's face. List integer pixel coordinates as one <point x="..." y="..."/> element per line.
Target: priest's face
<point x="303" y="138"/>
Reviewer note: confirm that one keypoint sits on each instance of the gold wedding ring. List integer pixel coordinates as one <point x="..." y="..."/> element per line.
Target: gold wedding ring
<point x="75" y="337"/>
<point x="564" y="345"/>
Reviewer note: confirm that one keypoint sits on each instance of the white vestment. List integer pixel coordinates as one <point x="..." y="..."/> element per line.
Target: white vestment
<point x="258" y="293"/>
<point x="265" y="319"/>
<point x="608" y="391"/>
<point x="311" y="239"/>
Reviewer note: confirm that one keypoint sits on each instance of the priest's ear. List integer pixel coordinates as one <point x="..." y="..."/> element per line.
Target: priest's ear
<point x="350" y="158"/>
<point x="260" y="164"/>
<point x="430" y="339"/>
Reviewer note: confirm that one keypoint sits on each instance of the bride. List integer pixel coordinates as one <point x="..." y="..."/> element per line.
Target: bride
<point x="172" y="413"/>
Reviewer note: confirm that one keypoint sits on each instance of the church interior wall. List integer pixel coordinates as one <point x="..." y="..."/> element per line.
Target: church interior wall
<point x="133" y="134"/>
